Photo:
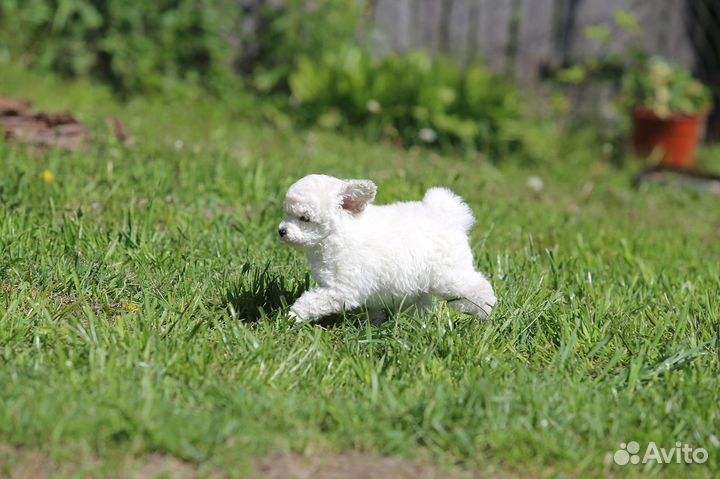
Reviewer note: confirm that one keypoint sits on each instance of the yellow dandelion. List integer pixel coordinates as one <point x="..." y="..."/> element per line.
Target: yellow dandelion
<point x="47" y="176"/>
<point x="131" y="308"/>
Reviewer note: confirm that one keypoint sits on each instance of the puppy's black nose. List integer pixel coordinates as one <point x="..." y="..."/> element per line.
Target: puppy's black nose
<point x="282" y="231"/>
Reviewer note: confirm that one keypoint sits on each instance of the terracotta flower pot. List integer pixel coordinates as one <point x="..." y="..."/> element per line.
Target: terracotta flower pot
<point x="674" y="139"/>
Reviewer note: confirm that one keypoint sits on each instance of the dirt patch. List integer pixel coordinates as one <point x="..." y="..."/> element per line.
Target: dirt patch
<point x="43" y="130"/>
<point x="349" y="465"/>
<point x="160" y="466"/>
<point x="24" y="463"/>
<point x="16" y="463"/>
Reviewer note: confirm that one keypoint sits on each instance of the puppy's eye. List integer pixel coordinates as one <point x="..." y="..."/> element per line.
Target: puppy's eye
<point x="304" y="219"/>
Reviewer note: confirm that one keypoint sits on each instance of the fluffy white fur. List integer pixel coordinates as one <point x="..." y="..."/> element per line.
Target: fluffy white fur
<point x="396" y="255"/>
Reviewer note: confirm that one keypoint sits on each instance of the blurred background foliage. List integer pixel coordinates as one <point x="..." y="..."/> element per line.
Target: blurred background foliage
<point x="311" y="62"/>
<point x="133" y="46"/>
<point x="414" y="97"/>
<point x="137" y="46"/>
<point x="276" y="34"/>
<point x="311" y="58"/>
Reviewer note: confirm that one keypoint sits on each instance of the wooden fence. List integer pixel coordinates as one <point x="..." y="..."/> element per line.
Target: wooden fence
<point x="526" y="39"/>
<point x="523" y="37"/>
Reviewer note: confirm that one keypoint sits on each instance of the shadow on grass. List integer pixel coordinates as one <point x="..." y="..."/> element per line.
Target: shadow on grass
<point x="260" y="293"/>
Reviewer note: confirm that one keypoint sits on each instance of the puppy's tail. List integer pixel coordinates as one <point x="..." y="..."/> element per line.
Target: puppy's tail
<point x="450" y="207"/>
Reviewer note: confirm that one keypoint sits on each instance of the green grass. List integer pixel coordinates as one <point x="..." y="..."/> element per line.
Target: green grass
<point x="129" y="318"/>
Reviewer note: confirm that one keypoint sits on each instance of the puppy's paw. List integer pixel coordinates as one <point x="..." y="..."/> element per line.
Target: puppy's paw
<point x="295" y="317"/>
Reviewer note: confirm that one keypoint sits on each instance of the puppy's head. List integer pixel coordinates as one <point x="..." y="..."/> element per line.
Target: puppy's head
<point x="317" y="205"/>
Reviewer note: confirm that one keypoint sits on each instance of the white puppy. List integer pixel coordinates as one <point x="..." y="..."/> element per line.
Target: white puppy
<point x="378" y="256"/>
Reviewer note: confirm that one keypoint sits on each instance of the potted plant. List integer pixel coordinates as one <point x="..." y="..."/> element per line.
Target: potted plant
<point x="669" y="108"/>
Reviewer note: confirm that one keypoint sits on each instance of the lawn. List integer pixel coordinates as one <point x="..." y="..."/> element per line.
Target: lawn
<point x="144" y="290"/>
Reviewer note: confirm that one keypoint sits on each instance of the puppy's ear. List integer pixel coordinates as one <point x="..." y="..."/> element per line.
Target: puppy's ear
<point x="357" y="194"/>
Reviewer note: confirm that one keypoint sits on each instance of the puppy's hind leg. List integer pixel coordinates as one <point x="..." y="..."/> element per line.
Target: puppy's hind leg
<point x="468" y="292"/>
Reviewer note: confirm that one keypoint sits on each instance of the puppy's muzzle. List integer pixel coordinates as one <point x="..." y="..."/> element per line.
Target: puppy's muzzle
<point x="282" y="231"/>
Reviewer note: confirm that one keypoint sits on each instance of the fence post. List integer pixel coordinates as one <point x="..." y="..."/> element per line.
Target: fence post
<point x="511" y="50"/>
<point x="473" y="38"/>
<point x="444" y="28"/>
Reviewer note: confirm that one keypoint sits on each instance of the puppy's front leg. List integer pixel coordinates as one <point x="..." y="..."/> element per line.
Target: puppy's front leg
<point x="319" y="302"/>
